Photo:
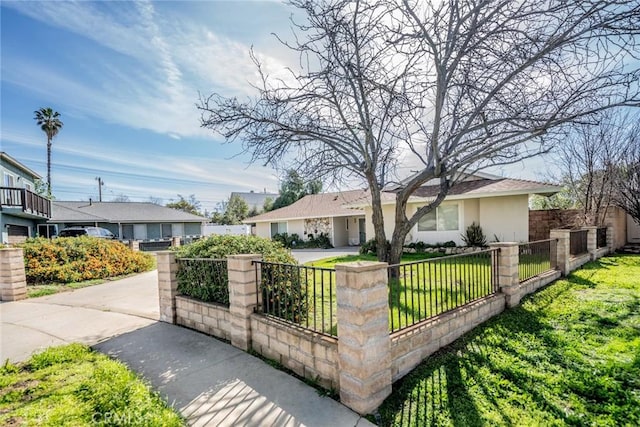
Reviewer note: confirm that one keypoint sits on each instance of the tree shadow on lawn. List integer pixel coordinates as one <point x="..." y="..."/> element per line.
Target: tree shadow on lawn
<point x="522" y="365"/>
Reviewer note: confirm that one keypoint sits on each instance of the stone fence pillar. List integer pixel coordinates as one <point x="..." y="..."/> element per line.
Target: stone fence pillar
<point x="167" y="285"/>
<point x="243" y="297"/>
<point x="175" y="241"/>
<point x="134" y="245"/>
<point x="508" y="276"/>
<point x="592" y="240"/>
<point x="562" y="249"/>
<point x="13" y="280"/>
<point x="364" y="347"/>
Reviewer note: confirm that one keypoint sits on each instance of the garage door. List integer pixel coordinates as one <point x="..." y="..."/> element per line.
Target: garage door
<point x="18" y="233"/>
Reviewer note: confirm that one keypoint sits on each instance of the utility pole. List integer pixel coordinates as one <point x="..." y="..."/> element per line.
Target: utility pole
<point x="100" y="184"/>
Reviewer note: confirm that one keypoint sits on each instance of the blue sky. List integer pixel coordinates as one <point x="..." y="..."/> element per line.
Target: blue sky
<point x="125" y="78"/>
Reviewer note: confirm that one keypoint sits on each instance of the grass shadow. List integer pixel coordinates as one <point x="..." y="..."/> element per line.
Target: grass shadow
<point x="556" y="359"/>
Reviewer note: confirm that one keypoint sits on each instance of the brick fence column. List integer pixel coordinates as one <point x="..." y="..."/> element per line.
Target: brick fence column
<point x="563" y="236"/>
<point x="13" y="280"/>
<point x="508" y="276"/>
<point x="243" y="297"/>
<point x="167" y="285"/>
<point x="364" y="344"/>
<point x="592" y="240"/>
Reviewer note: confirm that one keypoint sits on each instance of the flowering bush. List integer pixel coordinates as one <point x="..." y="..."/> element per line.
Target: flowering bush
<point x="74" y="259"/>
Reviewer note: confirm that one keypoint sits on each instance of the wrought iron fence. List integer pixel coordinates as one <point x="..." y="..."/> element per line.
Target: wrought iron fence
<point x="578" y="242"/>
<point x="205" y="279"/>
<point x="424" y="289"/>
<point x="601" y="237"/>
<point x="298" y="294"/>
<point x="536" y="257"/>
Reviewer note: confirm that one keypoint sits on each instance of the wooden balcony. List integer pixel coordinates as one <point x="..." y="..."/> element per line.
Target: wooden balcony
<point x="24" y="201"/>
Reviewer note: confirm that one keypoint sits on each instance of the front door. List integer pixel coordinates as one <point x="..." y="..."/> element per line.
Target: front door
<point x="361" y="231"/>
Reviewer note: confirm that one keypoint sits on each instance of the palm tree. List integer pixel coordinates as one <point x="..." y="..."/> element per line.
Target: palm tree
<point x="49" y="122"/>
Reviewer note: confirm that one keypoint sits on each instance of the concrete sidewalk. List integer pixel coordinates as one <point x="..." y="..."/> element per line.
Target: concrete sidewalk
<point x="215" y="384"/>
<point x="208" y="381"/>
<point x="304" y="256"/>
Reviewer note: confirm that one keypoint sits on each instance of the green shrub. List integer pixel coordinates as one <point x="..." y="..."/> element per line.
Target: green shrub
<point x="294" y="241"/>
<point x="221" y="246"/>
<point x="322" y="241"/>
<point x="371" y="247"/>
<point x="282" y="288"/>
<point x="206" y="280"/>
<point x="474" y="236"/>
<point x="74" y="259"/>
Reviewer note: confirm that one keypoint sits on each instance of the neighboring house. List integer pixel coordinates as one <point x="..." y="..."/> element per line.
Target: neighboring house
<point x="22" y="212"/>
<point x="256" y="200"/>
<point x="128" y="220"/>
<point x="314" y="214"/>
<point x="499" y="205"/>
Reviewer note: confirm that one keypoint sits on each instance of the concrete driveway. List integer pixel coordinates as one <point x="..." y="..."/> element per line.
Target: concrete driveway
<point x="307" y="255"/>
<point x="210" y="382"/>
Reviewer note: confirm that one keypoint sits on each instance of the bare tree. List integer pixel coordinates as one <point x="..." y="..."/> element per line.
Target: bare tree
<point x="628" y="182"/>
<point x="458" y="85"/>
<point x="589" y="160"/>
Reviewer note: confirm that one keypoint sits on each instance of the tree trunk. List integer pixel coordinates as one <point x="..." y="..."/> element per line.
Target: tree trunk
<point x="49" y="165"/>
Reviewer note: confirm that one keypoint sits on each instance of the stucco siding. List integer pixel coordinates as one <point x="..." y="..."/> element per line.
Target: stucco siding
<point x="263" y="229"/>
<point x="296" y="226"/>
<point x="471" y="212"/>
<point x="505" y="217"/>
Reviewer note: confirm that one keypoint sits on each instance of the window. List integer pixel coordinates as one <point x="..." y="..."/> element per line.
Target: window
<point x="443" y="218"/>
<point x="166" y="231"/>
<point x="278" y="228"/>
<point x="9" y="180"/>
<point x="127" y="231"/>
<point x="28" y="186"/>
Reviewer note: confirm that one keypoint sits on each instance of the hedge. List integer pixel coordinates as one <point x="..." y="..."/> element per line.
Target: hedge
<point x="74" y="259"/>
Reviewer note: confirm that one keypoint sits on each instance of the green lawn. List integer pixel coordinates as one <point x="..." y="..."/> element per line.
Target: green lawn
<point x="75" y="386"/>
<point x="569" y="355"/>
<point x="421" y="289"/>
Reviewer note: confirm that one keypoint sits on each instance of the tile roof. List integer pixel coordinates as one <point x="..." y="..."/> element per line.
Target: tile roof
<point x="128" y="212"/>
<point x="315" y="206"/>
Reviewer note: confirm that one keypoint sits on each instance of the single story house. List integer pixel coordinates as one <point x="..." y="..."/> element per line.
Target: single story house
<point x="23" y="213"/>
<point x="314" y="214"/>
<point x="128" y="220"/>
<point x="499" y="205"/>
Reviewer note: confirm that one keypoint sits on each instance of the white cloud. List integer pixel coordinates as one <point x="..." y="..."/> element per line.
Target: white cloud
<point x="156" y="85"/>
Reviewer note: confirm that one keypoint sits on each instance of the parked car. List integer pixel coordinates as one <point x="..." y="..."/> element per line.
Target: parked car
<point x="100" y="232"/>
